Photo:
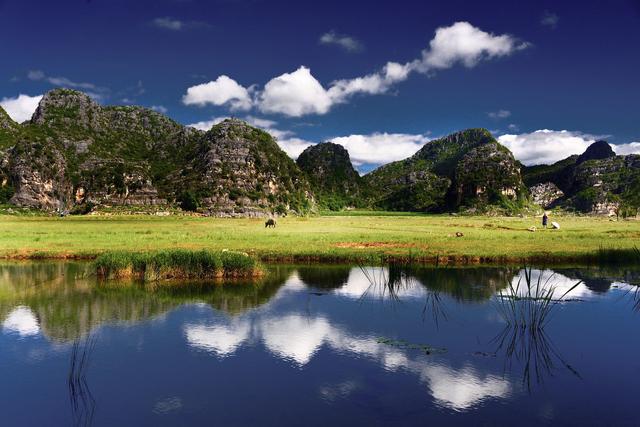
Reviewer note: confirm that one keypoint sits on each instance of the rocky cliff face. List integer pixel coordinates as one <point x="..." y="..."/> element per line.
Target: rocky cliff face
<point x="465" y="169"/>
<point x="75" y="152"/>
<point x="596" y="182"/>
<point x="244" y="172"/>
<point x="331" y="174"/>
<point x="545" y="194"/>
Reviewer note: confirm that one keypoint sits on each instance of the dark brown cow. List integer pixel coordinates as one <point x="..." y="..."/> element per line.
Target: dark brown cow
<point x="270" y="223"/>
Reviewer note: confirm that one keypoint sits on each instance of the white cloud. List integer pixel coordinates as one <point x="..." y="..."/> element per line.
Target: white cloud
<point x="546" y="146"/>
<point x="167" y="23"/>
<point x="549" y="19"/>
<point x="348" y="43"/>
<point x="222" y="340"/>
<point x="38" y="75"/>
<point x="295" y="94"/>
<point x="222" y="91"/>
<point x="463" y="43"/>
<point x="624" y="149"/>
<point x="299" y="93"/>
<point x="500" y="114"/>
<point x="174" y="24"/>
<point x="380" y="148"/>
<point x="159" y="108"/>
<point x="207" y="124"/>
<point x="294" y="146"/>
<point x="295" y="337"/>
<point x="22" y="321"/>
<point x="22" y="107"/>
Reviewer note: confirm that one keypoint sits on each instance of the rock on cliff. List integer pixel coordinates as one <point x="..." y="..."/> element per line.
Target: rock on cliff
<point x="545" y="194"/>
<point x="596" y="182"/>
<point x="331" y="174"/>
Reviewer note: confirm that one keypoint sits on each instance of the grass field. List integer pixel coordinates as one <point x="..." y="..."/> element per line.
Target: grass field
<point x="322" y="238"/>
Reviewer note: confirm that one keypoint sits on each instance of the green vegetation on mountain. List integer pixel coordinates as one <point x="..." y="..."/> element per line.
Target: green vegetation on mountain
<point x="468" y="170"/>
<point x="75" y="156"/>
<point x="333" y="178"/>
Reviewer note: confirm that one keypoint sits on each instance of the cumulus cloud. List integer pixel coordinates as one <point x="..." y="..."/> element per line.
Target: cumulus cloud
<point x="463" y="43"/>
<point x="624" y="149"/>
<point x="207" y="124"/>
<point x="173" y="24"/>
<point x="500" y="114"/>
<point x="546" y="146"/>
<point x="348" y="43"/>
<point x="222" y="91"/>
<point x="549" y="19"/>
<point x="295" y="94"/>
<point x="299" y="93"/>
<point x="380" y="148"/>
<point x="22" y="107"/>
<point x="22" y="321"/>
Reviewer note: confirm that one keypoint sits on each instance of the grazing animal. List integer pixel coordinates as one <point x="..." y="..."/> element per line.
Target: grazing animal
<point x="459" y="234"/>
<point x="270" y="223"/>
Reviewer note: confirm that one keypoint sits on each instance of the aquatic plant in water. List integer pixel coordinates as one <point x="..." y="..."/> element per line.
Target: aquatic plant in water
<point x="82" y="401"/>
<point x="526" y="308"/>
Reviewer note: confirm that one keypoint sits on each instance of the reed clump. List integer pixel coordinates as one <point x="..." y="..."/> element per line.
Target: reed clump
<point x="176" y="264"/>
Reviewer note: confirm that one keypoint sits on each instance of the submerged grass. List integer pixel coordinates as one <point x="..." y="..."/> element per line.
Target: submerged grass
<point x="176" y="264"/>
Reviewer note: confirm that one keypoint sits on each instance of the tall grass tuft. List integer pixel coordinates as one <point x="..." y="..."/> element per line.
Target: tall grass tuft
<point x="529" y="305"/>
<point x="617" y="256"/>
<point x="527" y="308"/>
<point x="82" y="401"/>
<point x="176" y="264"/>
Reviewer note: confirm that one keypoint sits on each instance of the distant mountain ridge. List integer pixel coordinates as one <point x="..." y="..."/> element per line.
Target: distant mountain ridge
<point x="75" y="155"/>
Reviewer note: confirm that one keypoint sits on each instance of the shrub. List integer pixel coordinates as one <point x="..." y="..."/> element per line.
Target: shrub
<point x="188" y="201"/>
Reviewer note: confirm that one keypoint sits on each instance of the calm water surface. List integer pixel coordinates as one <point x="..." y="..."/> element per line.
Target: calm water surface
<point x="316" y="346"/>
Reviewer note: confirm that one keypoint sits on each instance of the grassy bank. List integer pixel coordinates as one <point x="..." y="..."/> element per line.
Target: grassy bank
<point x="363" y="236"/>
<point x="176" y="264"/>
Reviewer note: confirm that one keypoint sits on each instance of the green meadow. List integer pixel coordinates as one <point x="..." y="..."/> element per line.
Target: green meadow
<point x="352" y="237"/>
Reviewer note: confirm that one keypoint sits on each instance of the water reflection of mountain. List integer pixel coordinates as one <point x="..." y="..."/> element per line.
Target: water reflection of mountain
<point x="65" y="302"/>
<point x="466" y="284"/>
<point x="600" y="279"/>
<point x="326" y="276"/>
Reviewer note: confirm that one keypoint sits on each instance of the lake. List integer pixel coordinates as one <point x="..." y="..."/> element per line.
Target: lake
<point x="319" y="345"/>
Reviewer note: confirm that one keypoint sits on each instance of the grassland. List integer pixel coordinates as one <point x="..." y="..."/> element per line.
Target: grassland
<point x="323" y="238"/>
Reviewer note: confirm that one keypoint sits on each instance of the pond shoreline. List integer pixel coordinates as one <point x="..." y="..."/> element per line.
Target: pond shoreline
<point x="608" y="256"/>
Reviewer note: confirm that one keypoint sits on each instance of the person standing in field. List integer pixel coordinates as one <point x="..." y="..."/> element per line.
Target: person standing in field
<point x="545" y="220"/>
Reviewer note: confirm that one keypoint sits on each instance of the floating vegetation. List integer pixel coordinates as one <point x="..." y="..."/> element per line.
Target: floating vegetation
<point x="406" y="345"/>
<point x="177" y="264"/>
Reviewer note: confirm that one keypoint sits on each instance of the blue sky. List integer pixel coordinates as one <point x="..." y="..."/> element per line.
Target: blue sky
<point x="516" y="69"/>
